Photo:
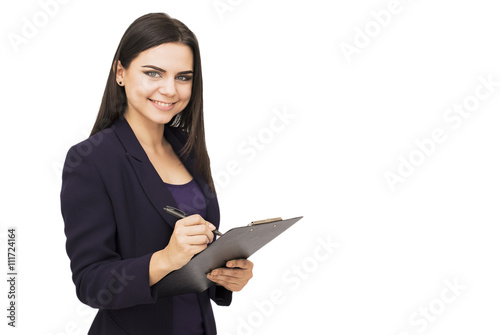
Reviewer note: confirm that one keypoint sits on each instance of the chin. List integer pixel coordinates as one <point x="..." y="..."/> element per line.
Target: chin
<point x="163" y="118"/>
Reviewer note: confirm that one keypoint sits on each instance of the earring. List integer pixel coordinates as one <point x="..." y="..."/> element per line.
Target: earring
<point x="120" y="83"/>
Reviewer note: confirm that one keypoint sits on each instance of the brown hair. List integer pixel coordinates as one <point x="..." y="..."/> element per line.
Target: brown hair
<point x="147" y="32"/>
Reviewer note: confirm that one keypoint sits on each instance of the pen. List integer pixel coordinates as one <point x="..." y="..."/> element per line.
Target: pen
<point x="181" y="215"/>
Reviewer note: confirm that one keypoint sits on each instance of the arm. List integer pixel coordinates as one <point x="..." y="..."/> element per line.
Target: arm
<point x="102" y="278"/>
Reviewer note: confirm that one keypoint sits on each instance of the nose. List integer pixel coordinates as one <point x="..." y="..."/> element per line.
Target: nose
<point x="168" y="87"/>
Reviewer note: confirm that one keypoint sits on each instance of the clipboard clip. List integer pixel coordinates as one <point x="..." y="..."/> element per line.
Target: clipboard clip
<point x="254" y="223"/>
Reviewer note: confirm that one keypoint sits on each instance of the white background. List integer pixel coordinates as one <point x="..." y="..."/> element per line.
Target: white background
<point x="349" y="124"/>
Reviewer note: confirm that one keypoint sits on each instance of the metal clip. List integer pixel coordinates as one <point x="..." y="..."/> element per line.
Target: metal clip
<point x="254" y="223"/>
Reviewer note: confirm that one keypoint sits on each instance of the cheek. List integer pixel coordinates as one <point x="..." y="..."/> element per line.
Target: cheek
<point x="140" y="87"/>
<point x="145" y="87"/>
<point x="185" y="92"/>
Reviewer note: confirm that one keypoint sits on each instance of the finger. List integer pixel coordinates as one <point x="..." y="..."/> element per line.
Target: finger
<point x="196" y="225"/>
<point x="210" y="227"/>
<point x="192" y="220"/>
<point x="199" y="230"/>
<point x="210" y="236"/>
<point x="198" y="240"/>
<point x="240" y="263"/>
<point x="232" y="274"/>
<point x="227" y="273"/>
<point x="229" y="283"/>
<point x="221" y="279"/>
<point x="229" y="286"/>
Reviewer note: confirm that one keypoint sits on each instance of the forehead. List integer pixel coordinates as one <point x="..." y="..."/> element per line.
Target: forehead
<point x="171" y="57"/>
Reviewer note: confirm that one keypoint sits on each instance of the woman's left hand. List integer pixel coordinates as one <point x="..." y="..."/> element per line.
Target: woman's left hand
<point x="235" y="276"/>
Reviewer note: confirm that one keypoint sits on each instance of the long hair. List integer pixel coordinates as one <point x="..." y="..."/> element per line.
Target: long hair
<point x="147" y="32"/>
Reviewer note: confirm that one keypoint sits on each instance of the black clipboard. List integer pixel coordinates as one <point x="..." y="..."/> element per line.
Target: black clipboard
<point x="237" y="243"/>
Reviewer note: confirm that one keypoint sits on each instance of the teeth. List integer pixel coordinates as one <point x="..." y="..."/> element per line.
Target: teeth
<point x="162" y="103"/>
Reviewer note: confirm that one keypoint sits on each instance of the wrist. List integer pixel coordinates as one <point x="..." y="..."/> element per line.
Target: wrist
<point x="159" y="267"/>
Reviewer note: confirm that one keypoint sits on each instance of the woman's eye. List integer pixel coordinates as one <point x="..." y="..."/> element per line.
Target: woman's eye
<point x="153" y="74"/>
<point x="184" y="78"/>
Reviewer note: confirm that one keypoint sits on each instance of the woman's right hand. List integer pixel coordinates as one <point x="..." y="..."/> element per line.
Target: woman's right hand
<point x="191" y="235"/>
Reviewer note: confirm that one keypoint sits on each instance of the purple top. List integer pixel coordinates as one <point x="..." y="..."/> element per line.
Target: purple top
<point x="189" y="198"/>
<point x="187" y="313"/>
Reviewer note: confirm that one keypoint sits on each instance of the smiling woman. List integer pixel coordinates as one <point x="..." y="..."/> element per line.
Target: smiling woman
<point x="151" y="153"/>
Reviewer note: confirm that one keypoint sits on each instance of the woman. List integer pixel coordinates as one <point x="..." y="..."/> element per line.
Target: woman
<point x="146" y="150"/>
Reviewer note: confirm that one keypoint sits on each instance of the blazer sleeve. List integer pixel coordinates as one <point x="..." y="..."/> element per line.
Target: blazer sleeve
<point x="102" y="278"/>
<point x="220" y="295"/>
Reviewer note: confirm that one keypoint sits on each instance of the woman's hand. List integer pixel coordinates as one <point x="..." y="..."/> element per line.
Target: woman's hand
<point x="235" y="276"/>
<point x="191" y="235"/>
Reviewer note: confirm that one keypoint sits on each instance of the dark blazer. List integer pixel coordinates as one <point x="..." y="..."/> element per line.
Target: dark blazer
<point x="112" y="203"/>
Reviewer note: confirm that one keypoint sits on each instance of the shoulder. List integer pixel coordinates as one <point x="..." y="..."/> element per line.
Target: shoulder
<point x="103" y="146"/>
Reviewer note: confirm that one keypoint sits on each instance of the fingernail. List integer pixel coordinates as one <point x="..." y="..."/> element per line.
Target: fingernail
<point x="211" y="226"/>
<point x="214" y="273"/>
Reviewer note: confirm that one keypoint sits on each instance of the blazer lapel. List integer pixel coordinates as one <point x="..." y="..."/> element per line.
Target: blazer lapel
<point x="154" y="187"/>
<point x="151" y="182"/>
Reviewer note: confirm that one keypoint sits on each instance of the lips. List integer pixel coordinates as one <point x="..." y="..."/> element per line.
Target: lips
<point x="161" y="103"/>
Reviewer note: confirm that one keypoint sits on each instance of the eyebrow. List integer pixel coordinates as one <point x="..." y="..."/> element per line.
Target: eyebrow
<point x="163" y="71"/>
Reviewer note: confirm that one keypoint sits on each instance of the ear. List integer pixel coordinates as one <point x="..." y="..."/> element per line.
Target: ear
<point x="120" y="71"/>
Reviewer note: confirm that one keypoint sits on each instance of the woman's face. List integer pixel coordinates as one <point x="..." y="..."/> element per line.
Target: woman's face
<point x="158" y="82"/>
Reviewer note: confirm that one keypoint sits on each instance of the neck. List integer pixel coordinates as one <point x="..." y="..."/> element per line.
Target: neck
<point x="149" y="134"/>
